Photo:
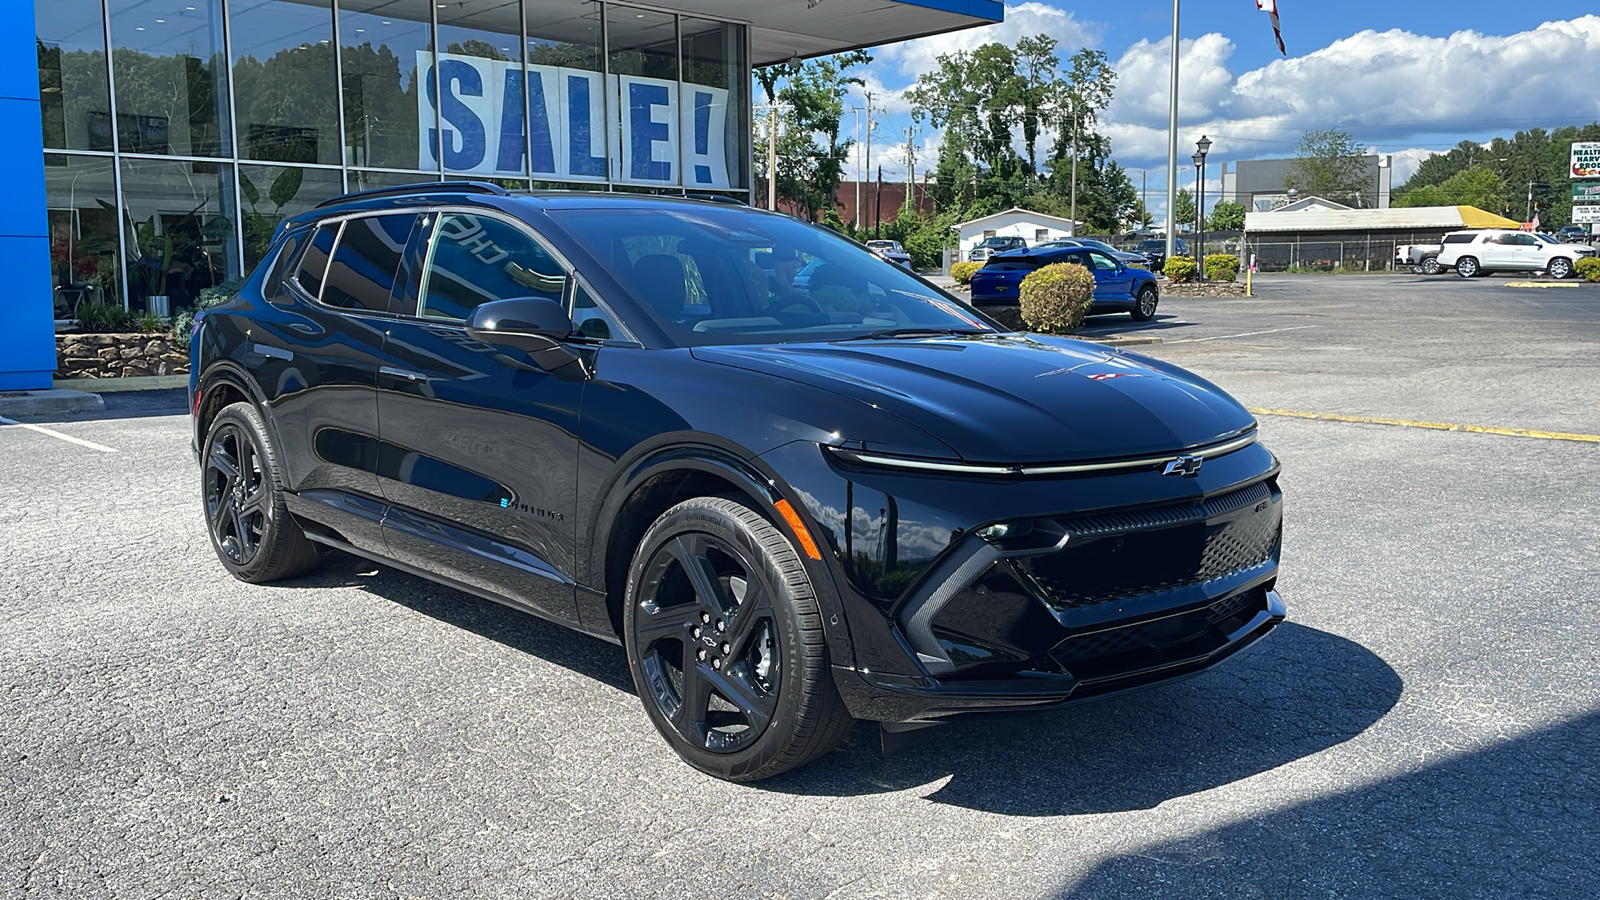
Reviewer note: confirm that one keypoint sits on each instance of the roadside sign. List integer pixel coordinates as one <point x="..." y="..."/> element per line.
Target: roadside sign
<point x="1586" y="159"/>
<point x="1586" y="215"/>
<point x="1586" y="192"/>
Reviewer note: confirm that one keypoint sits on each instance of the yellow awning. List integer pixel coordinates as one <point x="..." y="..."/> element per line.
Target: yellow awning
<point x="1473" y="217"/>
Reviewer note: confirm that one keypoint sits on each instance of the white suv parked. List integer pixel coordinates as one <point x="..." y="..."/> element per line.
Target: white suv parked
<point x="1498" y="250"/>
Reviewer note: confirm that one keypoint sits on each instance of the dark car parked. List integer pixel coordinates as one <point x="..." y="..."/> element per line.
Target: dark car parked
<point x="1572" y="234"/>
<point x="1154" y="251"/>
<point x="793" y="509"/>
<point x="1118" y="287"/>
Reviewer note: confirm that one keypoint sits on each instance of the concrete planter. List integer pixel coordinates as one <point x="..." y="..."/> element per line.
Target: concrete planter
<point x="1203" y="289"/>
<point x="119" y="355"/>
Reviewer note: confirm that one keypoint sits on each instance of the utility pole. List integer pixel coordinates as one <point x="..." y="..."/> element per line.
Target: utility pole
<point x="857" y="168"/>
<point x="1144" y="196"/>
<point x="1172" y="135"/>
<point x="911" y="167"/>
<point x="1528" y="216"/>
<point x="866" y="160"/>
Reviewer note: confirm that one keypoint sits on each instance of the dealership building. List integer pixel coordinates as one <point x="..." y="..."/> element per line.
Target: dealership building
<point x="143" y="175"/>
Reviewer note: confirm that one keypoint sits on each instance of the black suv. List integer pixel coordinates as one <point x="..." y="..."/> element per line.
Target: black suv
<point x="1154" y="251"/>
<point x="795" y="507"/>
<point x="1572" y="234"/>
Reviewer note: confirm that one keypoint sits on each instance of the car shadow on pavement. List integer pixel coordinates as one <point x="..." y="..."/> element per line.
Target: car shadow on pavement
<point x="1516" y="818"/>
<point x="524" y="632"/>
<point x="1298" y="692"/>
<point x="1119" y="324"/>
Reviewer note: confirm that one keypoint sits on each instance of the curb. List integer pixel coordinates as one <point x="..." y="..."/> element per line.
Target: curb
<point x="53" y="402"/>
<point x="113" y="385"/>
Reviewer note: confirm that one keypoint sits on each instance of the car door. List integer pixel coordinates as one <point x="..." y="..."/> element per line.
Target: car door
<point x="1496" y="252"/>
<point x="1113" y="283"/>
<point x="1532" y="253"/>
<point x="479" y="453"/>
<point x="318" y="366"/>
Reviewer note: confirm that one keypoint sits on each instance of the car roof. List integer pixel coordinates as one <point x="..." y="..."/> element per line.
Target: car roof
<point x="490" y="195"/>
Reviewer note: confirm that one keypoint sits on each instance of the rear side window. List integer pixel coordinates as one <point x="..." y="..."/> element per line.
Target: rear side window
<point x="272" y="287"/>
<point x="315" y="261"/>
<point x="1459" y="238"/>
<point x="1011" y="264"/>
<point x="361" y="274"/>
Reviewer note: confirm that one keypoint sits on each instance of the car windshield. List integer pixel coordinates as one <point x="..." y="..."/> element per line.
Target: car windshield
<point x="1152" y="245"/>
<point x="725" y="275"/>
<point x="997" y="242"/>
<point x="1098" y="245"/>
<point x="1547" y="238"/>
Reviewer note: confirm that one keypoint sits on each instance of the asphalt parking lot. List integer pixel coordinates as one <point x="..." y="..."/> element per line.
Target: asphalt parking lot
<point x="1427" y="723"/>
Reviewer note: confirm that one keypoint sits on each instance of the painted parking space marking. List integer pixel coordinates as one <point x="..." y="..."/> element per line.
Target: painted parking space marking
<point x="1543" y="284"/>
<point x="1432" y="426"/>
<point x="1223" y="337"/>
<point x="56" y="434"/>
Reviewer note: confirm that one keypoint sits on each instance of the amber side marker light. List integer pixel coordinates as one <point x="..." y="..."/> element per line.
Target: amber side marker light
<point x="793" y="518"/>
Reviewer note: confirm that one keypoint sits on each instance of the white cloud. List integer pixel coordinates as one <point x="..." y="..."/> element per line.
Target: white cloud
<point x="912" y="58"/>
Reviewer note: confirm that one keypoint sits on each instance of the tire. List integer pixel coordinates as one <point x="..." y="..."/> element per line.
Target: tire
<point x="1144" y="306"/>
<point x="1467" y="266"/>
<point x="1430" y="266"/>
<point x="725" y="642"/>
<point x="1560" y="268"/>
<point x="242" y="491"/>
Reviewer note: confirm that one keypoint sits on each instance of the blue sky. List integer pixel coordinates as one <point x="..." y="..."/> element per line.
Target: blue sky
<point x="1404" y="78"/>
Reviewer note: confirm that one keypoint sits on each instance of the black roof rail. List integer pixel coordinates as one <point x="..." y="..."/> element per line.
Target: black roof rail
<point x="422" y="187"/>
<point x="716" y="198"/>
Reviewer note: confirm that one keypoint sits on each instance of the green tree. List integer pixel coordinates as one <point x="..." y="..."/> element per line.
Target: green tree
<point x="1332" y="165"/>
<point x="1226" y="216"/>
<point x="1183" y="210"/>
<point x="1478" y="186"/>
<point x="811" y="151"/>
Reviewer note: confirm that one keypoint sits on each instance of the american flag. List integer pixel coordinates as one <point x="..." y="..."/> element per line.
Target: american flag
<point x="1270" y="7"/>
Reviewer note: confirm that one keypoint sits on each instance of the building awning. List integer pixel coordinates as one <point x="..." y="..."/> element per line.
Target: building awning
<point x="1354" y="220"/>
<point x="782" y="31"/>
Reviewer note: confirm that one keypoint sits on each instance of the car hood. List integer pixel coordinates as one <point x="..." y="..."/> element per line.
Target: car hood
<point x="1011" y="397"/>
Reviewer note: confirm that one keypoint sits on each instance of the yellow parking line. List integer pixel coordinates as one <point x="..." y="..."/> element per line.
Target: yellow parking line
<point x="1433" y="426"/>
<point x="1541" y="284"/>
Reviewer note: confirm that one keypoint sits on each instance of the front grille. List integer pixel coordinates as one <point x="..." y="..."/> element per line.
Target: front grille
<point x="1151" y="638"/>
<point x="1130" y="553"/>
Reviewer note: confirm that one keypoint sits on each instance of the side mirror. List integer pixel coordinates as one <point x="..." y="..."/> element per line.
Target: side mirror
<point x="535" y="325"/>
<point x="527" y="323"/>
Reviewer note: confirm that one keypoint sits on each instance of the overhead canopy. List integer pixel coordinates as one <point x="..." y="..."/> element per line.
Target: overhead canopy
<point x="1414" y="217"/>
<point x="783" y="30"/>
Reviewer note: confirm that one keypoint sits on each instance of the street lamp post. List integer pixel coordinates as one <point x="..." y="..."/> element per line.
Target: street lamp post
<point x="1202" y="147"/>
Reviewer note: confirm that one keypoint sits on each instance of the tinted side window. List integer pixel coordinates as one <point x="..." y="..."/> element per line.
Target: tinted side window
<point x="272" y="286"/>
<point x="1102" y="262"/>
<point x="1458" y="238"/>
<point x="315" y="261"/>
<point x="476" y="259"/>
<point x="361" y="275"/>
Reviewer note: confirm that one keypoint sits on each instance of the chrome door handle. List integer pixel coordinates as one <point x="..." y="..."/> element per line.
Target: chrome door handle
<point x="402" y="373"/>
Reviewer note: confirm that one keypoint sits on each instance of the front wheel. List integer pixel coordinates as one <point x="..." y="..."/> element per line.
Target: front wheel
<point x="1144" y="307"/>
<point x="725" y="642"/>
<point x="1560" y="267"/>
<point x="1466" y="267"/>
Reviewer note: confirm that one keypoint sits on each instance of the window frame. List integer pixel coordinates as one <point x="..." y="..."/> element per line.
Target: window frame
<point x="568" y="293"/>
<point x="338" y="240"/>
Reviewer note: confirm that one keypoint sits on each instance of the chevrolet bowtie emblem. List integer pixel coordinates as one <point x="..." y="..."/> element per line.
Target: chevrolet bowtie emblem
<point x="1187" y="466"/>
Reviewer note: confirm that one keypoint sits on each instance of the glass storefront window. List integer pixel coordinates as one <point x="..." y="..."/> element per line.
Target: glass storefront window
<point x="285" y="91"/>
<point x="387" y="58"/>
<point x="566" y="94"/>
<point x="484" y="88"/>
<point x="81" y="208"/>
<point x="715" y="105"/>
<point x="363" y="181"/>
<point x="270" y="194"/>
<point x="645" y="128"/>
<point x="178" y="230"/>
<point x="74" y="94"/>
<point x="172" y="84"/>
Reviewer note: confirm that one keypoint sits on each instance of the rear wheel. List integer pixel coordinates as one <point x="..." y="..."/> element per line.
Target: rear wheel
<point x="1144" y="307"/>
<point x="254" y="536"/>
<point x="1560" y="267"/>
<point x="1467" y="266"/>
<point x="724" y="638"/>
<point x="1430" y="266"/>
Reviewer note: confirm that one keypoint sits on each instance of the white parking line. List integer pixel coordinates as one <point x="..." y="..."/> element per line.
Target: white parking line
<point x="56" y="434"/>
<point x="1223" y="337"/>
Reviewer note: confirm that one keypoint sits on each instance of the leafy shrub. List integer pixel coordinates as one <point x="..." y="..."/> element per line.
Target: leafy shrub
<point x="216" y="295"/>
<point x="1054" y="299"/>
<point x="1588" y="268"/>
<point x="962" y="272"/>
<point x="149" y="323"/>
<point x="1179" y="268"/>
<point x="104" y="318"/>
<point x="1222" y="267"/>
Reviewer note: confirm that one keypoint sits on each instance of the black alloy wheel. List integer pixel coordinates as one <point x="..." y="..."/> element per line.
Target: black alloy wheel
<point x="725" y="641"/>
<point x="252" y="532"/>
<point x="1144" y="308"/>
<point x="1560" y="267"/>
<point x="1467" y="266"/>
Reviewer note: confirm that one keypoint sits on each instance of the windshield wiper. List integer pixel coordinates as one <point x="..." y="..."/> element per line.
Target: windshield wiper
<point x="913" y="331"/>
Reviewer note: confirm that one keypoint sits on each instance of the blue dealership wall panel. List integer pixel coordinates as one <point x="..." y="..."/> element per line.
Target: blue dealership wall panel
<point x="27" y="319"/>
